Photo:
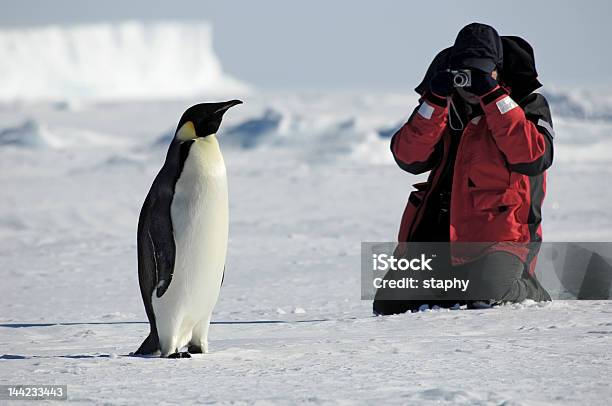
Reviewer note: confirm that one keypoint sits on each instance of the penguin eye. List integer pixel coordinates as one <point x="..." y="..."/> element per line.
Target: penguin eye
<point x="200" y="121"/>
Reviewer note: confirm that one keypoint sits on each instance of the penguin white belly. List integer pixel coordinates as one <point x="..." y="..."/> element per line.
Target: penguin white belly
<point x="200" y="222"/>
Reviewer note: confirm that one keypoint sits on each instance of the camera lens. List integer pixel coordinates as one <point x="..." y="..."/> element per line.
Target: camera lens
<point x="460" y="79"/>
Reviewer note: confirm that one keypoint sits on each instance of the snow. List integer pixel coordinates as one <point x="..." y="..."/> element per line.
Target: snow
<point x="28" y="134"/>
<point x="133" y="60"/>
<point x="315" y="181"/>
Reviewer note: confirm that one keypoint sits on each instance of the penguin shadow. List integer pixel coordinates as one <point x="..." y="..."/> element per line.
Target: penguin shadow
<point x="109" y="323"/>
<point x="17" y="357"/>
<point x="88" y="323"/>
<point x="75" y="356"/>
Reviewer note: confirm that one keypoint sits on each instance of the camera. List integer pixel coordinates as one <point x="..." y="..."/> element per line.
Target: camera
<point x="461" y="77"/>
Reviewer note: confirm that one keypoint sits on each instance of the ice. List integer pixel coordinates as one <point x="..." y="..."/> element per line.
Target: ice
<point x="250" y="132"/>
<point x="578" y="103"/>
<point x="29" y="134"/>
<point x="132" y="60"/>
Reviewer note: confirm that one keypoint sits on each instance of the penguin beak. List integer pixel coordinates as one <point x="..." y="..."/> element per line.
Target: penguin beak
<point x="225" y="106"/>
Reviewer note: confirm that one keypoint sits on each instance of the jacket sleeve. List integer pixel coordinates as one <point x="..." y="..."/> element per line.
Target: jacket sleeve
<point x="523" y="134"/>
<point x="415" y="146"/>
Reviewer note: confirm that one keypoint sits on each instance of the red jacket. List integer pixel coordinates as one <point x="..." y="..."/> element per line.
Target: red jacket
<point x="499" y="174"/>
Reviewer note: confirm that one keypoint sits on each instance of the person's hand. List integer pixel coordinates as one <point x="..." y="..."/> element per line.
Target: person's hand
<point x="441" y="84"/>
<point x="482" y="83"/>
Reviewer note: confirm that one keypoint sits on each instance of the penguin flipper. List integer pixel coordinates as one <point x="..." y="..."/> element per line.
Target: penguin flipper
<point x="161" y="239"/>
<point x="160" y="230"/>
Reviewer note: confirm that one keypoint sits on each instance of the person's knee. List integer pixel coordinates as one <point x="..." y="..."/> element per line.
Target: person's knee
<point x="496" y="277"/>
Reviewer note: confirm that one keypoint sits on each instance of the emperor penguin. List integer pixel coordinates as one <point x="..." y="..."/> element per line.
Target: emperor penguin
<point x="182" y="236"/>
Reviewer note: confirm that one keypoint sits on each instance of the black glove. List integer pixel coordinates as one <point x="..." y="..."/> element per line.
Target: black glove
<point x="482" y="83"/>
<point x="441" y="84"/>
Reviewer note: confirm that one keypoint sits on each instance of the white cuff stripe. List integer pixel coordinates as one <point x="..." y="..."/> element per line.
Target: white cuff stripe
<point x="547" y="126"/>
<point x="425" y="110"/>
<point x="506" y="104"/>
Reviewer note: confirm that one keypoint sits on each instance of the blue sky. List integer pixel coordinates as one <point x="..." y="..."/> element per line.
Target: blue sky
<point x="357" y="44"/>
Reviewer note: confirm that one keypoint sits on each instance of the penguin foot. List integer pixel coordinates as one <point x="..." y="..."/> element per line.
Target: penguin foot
<point x="195" y="349"/>
<point x="177" y="354"/>
<point x="149" y="346"/>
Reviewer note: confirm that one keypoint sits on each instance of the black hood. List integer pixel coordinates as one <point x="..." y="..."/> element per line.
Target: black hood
<point x="477" y="46"/>
<point x="518" y="71"/>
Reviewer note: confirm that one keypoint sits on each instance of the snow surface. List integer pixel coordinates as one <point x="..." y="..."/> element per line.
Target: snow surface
<point x="133" y="60"/>
<point x="314" y="181"/>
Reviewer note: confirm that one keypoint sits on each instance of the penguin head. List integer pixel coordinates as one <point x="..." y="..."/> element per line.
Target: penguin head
<point x="202" y="120"/>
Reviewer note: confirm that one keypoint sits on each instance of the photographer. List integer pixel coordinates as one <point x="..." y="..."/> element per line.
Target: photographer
<point x="487" y="140"/>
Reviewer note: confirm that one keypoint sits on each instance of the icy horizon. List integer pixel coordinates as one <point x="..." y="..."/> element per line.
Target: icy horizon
<point x="151" y="60"/>
<point x="112" y="61"/>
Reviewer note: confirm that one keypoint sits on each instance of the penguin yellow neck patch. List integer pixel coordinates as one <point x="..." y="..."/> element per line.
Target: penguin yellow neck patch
<point x="186" y="132"/>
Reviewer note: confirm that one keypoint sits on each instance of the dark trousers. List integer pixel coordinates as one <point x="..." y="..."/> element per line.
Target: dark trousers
<point x="498" y="277"/>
